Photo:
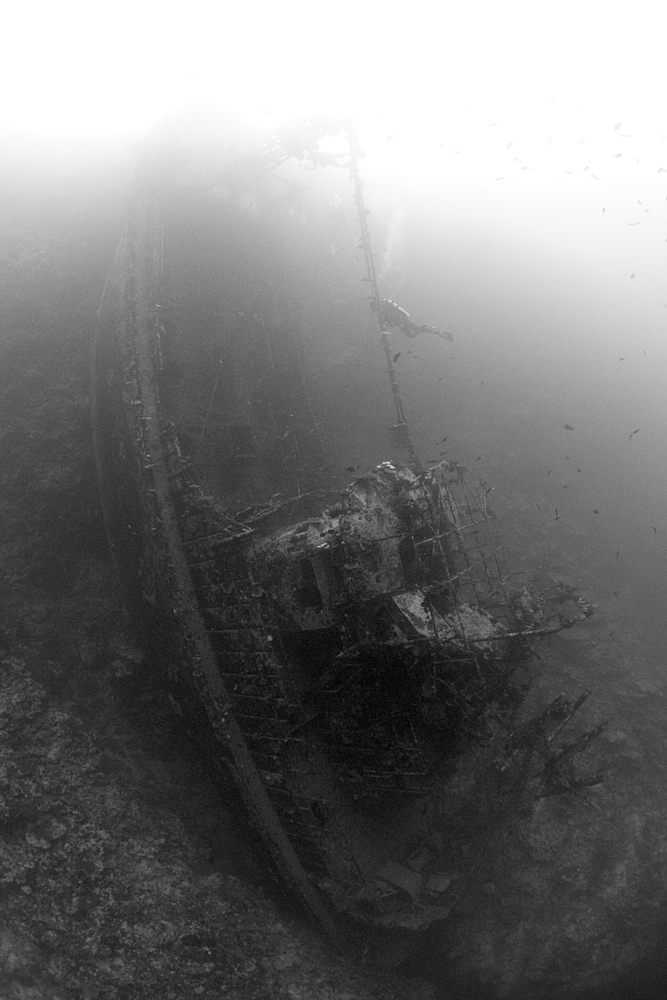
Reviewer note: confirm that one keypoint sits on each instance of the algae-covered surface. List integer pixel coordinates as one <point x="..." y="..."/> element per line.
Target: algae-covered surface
<point x="108" y="882"/>
<point x="123" y="871"/>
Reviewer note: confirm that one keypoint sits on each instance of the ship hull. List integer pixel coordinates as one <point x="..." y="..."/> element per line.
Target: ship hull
<point x="342" y="651"/>
<point x="140" y="472"/>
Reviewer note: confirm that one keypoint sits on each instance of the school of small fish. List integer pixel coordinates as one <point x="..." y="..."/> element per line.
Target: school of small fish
<point x="514" y="145"/>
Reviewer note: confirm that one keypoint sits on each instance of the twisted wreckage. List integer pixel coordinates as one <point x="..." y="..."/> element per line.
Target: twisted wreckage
<point x="351" y="653"/>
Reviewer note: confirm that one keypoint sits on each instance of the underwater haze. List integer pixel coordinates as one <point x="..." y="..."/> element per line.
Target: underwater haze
<point x="552" y="281"/>
<point x="544" y="256"/>
<point x="550" y="274"/>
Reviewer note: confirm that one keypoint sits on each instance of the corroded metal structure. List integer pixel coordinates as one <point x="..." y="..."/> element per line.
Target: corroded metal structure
<point x="339" y="650"/>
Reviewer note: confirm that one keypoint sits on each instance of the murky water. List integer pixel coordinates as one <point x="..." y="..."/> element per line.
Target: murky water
<point x="545" y="336"/>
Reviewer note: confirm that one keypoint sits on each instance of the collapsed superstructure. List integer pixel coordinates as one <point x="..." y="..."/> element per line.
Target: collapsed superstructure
<point x="354" y="656"/>
<point x="365" y="649"/>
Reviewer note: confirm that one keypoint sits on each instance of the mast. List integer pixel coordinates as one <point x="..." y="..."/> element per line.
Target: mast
<point x="400" y="432"/>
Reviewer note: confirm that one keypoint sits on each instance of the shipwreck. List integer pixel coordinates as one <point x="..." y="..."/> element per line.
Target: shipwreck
<point x="352" y="653"/>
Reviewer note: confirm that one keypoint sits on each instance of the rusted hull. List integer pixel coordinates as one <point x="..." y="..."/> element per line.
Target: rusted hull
<point x="339" y="651"/>
<point x="155" y="511"/>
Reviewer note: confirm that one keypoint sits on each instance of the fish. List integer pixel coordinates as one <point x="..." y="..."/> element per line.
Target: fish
<point x="509" y="144"/>
<point x="643" y="352"/>
<point x="396" y="357"/>
<point x="501" y="178"/>
<point x="635" y="432"/>
<point x="349" y="468"/>
<point x="548" y="473"/>
<point x="618" y="125"/>
<point x="604" y="210"/>
<point x="578" y="469"/>
<point x="557" y="517"/>
<point x="596" y="511"/>
<point x="443" y="439"/>
<point x="616" y="155"/>
<point x="594" y="176"/>
<point x="568" y="427"/>
<point x="655" y="529"/>
<point x="633" y="274"/>
<point x="615" y="593"/>
<point x="623" y="358"/>
<point x="537" y="504"/>
<point x="526" y="168"/>
<point x="634" y="223"/>
<point x="618" y="554"/>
